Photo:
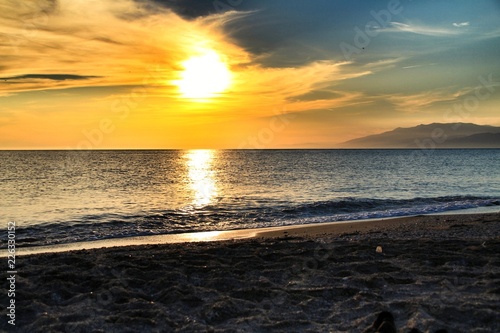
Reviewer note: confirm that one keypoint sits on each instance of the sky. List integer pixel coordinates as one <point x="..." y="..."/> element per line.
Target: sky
<point x="187" y="74"/>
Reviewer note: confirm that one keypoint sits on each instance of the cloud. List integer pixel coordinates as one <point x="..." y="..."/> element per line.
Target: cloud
<point x="420" y="29"/>
<point x="54" y="77"/>
<point x="419" y="101"/>
<point x="106" y="43"/>
<point x="301" y="88"/>
<point x="285" y="33"/>
<point x="418" y="66"/>
<point x="315" y="95"/>
<point x="133" y="41"/>
<point x="31" y="82"/>
<point x="192" y="9"/>
<point x="461" y="25"/>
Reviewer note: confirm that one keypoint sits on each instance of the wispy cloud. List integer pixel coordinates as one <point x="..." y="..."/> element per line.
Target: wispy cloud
<point x="418" y="66"/>
<point x="421" y="29"/>
<point x="461" y="24"/>
<point x="383" y="64"/>
<point x="417" y="102"/>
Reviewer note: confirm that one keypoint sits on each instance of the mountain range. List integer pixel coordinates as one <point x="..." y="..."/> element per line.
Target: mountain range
<point x="430" y="136"/>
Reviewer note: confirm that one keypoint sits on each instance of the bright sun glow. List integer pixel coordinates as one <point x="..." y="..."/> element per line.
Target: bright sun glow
<point x="204" y="76"/>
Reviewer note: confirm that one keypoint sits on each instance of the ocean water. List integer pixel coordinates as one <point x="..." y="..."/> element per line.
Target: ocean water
<point x="69" y="196"/>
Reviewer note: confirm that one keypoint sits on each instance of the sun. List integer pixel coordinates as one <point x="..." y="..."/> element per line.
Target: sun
<point x="204" y="76"/>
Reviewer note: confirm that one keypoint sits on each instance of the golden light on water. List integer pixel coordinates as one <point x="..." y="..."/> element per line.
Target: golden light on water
<point x="204" y="76"/>
<point x="201" y="177"/>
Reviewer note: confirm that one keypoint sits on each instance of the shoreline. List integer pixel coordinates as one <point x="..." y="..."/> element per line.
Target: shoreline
<point x="302" y="230"/>
<point x="431" y="272"/>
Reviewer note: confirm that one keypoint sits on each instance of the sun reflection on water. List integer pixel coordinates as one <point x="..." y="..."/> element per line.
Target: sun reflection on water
<point x="201" y="177"/>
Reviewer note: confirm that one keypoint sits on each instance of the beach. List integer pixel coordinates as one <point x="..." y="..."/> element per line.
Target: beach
<point x="430" y="271"/>
<point x="250" y="166"/>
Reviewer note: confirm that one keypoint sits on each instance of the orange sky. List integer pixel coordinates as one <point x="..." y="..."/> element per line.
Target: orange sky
<point x="105" y="74"/>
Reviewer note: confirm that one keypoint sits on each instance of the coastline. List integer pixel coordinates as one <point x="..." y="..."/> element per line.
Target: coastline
<point x="303" y="230"/>
<point x="432" y="272"/>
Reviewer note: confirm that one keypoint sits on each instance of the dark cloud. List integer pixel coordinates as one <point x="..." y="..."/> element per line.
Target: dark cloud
<point x="54" y="77"/>
<point x="287" y="34"/>
<point x="191" y="9"/>
<point x="295" y="33"/>
<point x="108" y="40"/>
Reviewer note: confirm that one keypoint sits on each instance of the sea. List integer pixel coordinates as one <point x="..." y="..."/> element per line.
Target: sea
<point x="57" y="197"/>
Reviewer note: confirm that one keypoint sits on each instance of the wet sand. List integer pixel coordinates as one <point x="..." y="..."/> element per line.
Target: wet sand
<point x="431" y="272"/>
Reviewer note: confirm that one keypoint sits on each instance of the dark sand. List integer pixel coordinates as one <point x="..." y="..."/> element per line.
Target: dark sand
<point x="433" y="272"/>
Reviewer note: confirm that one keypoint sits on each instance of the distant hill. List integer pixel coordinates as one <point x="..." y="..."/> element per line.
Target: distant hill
<point x="436" y="135"/>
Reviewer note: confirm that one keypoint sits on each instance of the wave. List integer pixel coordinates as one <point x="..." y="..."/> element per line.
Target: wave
<point x="420" y="205"/>
<point x="220" y="217"/>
